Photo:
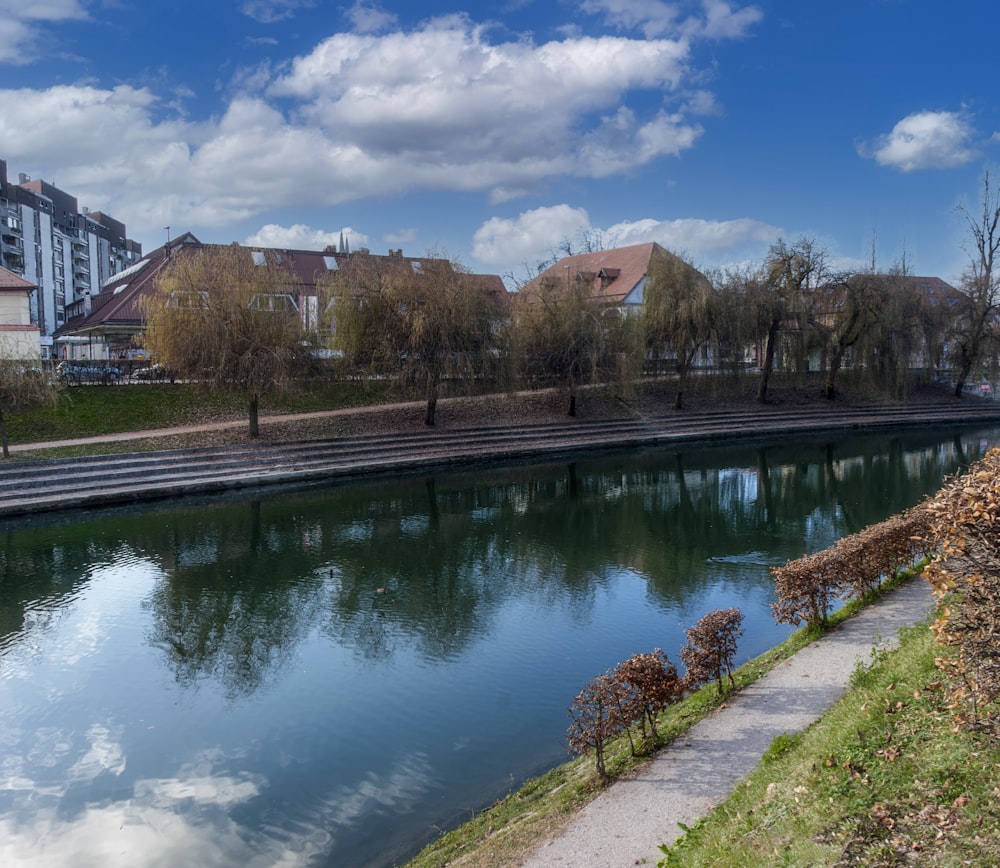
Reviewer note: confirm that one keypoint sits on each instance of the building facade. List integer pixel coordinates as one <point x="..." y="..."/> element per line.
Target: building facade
<point x="18" y="337"/>
<point x="66" y="252"/>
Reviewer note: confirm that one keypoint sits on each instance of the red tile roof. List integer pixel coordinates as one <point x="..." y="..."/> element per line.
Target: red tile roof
<point x="10" y="281"/>
<point x="615" y="276"/>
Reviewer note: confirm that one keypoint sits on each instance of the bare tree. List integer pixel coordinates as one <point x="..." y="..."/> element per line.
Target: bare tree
<point x="779" y="298"/>
<point x="980" y="285"/>
<point x="23" y="385"/>
<point x="419" y="324"/>
<point x="230" y="324"/>
<point x="843" y="311"/>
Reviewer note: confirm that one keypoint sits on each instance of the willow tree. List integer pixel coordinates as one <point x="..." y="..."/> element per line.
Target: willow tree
<point x="227" y="319"/>
<point x="565" y="336"/>
<point x="419" y="321"/>
<point x="678" y="315"/>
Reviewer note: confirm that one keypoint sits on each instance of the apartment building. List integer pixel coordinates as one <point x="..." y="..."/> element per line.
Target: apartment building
<point x="65" y="251"/>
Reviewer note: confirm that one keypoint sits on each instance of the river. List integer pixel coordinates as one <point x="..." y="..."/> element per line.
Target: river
<point x="332" y="675"/>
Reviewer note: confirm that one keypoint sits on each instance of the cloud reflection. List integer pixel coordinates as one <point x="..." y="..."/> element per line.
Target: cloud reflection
<point x="185" y="819"/>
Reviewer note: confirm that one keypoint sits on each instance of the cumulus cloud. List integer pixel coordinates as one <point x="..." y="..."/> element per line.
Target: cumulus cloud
<point x="530" y="237"/>
<point x="302" y="237"/>
<point x="441" y="107"/>
<point x="533" y="235"/>
<point x="925" y="140"/>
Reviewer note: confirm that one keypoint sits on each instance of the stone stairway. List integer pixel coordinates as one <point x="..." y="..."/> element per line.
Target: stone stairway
<point x="56" y="484"/>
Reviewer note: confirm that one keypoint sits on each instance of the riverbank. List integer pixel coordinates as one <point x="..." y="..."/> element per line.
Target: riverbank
<point x="391" y="440"/>
<point x="565" y="818"/>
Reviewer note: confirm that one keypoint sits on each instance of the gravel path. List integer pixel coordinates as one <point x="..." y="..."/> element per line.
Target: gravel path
<point x="625" y="824"/>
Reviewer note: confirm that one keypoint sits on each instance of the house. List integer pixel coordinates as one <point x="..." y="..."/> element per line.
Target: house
<point x="19" y="339"/>
<point x="109" y="325"/>
<point x="616" y="278"/>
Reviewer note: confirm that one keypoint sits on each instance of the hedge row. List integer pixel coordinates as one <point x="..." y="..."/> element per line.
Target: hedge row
<point x="964" y="520"/>
<point x="806" y="588"/>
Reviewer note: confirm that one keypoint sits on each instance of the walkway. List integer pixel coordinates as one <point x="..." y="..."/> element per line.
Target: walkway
<point x="625" y="824"/>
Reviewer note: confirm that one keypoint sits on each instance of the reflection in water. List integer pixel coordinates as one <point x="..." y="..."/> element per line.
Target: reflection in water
<point x="326" y="676"/>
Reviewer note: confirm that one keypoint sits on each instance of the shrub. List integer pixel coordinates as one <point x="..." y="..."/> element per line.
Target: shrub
<point x="854" y="566"/>
<point x="711" y="647"/>
<point x="965" y="579"/>
<point x="652" y="684"/>
<point x="596" y="715"/>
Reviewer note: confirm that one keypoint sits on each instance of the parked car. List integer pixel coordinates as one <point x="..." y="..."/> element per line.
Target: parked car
<point x="150" y="372"/>
<point x="88" y="372"/>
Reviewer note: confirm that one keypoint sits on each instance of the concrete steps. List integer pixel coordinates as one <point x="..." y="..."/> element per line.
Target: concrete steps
<point x="55" y="484"/>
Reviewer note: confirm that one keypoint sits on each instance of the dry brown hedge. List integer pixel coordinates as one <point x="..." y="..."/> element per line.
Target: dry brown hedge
<point x="964" y="526"/>
<point x="856" y="565"/>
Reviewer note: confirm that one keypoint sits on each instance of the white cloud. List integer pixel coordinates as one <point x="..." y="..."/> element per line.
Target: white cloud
<point x="533" y="236"/>
<point x="694" y="236"/>
<point x="302" y="237"/>
<point x="439" y="108"/>
<point x="530" y="238"/>
<point x="926" y="140"/>
<point x="656" y="17"/>
<point x="269" y="11"/>
<point x="367" y="17"/>
<point x="20" y="21"/>
<point x="723" y="22"/>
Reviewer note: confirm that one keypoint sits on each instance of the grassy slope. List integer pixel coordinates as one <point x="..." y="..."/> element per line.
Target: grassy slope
<point x="503" y="833"/>
<point x="883" y="779"/>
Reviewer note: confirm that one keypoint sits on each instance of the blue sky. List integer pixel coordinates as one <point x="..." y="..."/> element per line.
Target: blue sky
<point x="493" y="132"/>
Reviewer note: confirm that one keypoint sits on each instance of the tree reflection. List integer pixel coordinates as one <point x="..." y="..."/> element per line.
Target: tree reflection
<point x="427" y="565"/>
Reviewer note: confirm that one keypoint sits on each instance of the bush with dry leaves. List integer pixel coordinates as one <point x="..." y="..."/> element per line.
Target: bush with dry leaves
<point x="634" y="692"/>
<point x="711" y="648"/>
<point x="964" y="526"/>
<point x="856" y="565"/>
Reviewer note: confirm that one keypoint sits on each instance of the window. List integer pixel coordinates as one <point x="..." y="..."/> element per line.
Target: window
<point x="189" y="300"/>
<point x="274" y="302"/>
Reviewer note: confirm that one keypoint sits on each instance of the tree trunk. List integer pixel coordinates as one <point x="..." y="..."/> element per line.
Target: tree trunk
<point x="836" y="359"/>
<point x="768" y="365"/>
<point x="3" y="435"/>
<point x="432" y="394"/>
<point x="254" y="414"/>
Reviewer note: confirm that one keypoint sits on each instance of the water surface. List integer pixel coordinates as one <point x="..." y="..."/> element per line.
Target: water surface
<point x="330" y="676"/>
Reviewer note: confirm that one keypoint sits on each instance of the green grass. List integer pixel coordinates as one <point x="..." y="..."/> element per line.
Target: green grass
<point x="501" y="834"/>
<point x="884" y="778"/>
<point x="88" y="411"/>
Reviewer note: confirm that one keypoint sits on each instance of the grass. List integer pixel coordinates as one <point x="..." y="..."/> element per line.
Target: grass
<point x="884" y="778"/>
<point x="503" y="833"/>
<point x="88" y="411"/>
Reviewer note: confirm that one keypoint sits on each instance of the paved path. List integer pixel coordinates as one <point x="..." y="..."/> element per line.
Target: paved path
<point x="625" y="824"/>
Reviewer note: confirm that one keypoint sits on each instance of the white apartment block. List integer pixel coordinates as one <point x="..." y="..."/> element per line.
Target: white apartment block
<point x="66" y="252"/>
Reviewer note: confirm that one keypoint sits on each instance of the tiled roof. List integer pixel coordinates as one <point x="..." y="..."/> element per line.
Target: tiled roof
<point x="613" y="275"/>
<point x="11" y="281"/>
<point x="118" y="307"/>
